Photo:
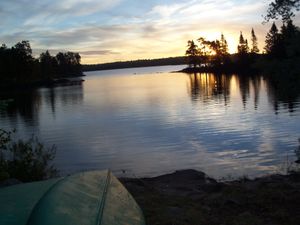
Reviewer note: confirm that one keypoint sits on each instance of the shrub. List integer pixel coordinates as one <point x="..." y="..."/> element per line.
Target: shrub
<point x="25" y="160"/>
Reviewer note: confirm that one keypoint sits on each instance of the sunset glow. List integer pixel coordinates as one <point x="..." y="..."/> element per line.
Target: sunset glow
<point x="106" y="31"/>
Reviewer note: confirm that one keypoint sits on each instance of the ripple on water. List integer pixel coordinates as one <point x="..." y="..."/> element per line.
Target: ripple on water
<point x="150" y="124"/>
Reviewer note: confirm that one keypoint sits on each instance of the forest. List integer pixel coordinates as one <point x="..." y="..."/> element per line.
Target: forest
<point x="18" y="66"/>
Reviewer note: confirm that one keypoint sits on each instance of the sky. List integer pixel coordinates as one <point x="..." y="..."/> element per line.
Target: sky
<point x="120" y="30"/>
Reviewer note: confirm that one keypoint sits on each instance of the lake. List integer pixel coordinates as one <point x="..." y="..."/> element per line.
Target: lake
<point x="149" y="121"/>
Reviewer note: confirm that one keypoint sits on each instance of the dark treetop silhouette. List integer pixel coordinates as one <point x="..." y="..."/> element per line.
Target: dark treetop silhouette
<point x="18" y="66"/>
<point x="282" y="8"/>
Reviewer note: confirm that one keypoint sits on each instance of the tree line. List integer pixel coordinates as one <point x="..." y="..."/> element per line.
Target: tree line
<point x="214" y="54"/>
<point x="180" y="60"/>
<point x="281" y="51"/>
<point x="18" y="66"/>
<point x="283" y="43"/>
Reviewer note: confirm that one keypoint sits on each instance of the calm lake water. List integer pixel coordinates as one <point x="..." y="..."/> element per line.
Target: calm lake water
<point x="148" y="121"/>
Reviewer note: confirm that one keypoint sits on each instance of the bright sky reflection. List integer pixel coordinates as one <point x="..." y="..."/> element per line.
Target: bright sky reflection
<point x="148" y="122"/>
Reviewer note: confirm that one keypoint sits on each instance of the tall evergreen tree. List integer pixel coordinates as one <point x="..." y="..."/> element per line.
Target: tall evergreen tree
<point x="243" y="47"/>
<point x="272" y="41"/>
<point x="288" y="30"/>
<point x="254" y="48"/>
<point x="223" y="45"/>
<point x="290" y="40"/>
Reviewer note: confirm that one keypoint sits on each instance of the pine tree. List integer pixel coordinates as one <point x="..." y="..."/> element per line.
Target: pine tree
<point x="243" y="47"/>
<point x="223" y="45"/>
<point x="289" y="40"/>
<point x="288" y="30"/>
<point x="272" y="40"/>
<point x="254" y="48"/>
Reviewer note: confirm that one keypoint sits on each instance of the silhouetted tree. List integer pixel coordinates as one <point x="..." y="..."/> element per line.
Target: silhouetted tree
<point x="254" y="43"/>
<point x="215" y="52"/>
<point x="272" y="41"/>
<point x="223" y="45"/>
<point x="283" y="50"/>
<point x="282" y="8"/>
<point x="48" y="65"/>
<point x="192" y="53"/>
<point x="204" y="51"/>
<point x="22" y="62"/>
<point x="17" y="65"/>
<point x="243" y="47"/>
<point x="224" y="51"/>
<point x="216" y="59"/>
<point x="290" y="40"/>
<point x="243" y="58"/>
<point x="288" y="30"/>
<point x="4" y="60"/>
<point x="69" y="63"/>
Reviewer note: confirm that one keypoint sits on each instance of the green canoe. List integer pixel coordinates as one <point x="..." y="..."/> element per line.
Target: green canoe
<point x="88" y="198"/>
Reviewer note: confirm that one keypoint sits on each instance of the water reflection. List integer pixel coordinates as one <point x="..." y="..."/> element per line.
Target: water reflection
<point x="284" y="94"/>
<point x="25" y="106"/>
<point x="207" y="86"/>
<point x="151" y="123"/>
<point x="62" y="96"/>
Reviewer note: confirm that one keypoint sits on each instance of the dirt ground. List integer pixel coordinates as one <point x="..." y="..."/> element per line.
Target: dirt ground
<point x="190" y="197"/>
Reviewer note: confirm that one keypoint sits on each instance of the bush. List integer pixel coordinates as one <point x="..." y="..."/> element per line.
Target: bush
<point x="27" y="160"/>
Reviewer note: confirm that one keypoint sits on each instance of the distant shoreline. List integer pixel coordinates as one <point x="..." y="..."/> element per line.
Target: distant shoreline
<point x="171" y="61"/>
<point x="228" y="70"/>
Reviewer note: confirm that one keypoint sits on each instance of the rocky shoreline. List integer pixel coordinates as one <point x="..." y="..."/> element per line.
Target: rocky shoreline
<point x="191" y="197"/>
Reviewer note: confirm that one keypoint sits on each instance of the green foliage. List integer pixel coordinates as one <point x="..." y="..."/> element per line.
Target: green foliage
<point x="27" y="160"/>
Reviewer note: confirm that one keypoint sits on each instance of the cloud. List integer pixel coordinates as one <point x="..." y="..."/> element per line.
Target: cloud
<point x="166" y="10"/>
<point x="49" y="12"/>
<point x="125" y="30"/>
<point x="99" y="52"/>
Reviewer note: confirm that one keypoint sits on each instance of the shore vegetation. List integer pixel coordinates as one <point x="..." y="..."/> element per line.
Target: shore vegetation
<point x="18" y="67"/>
